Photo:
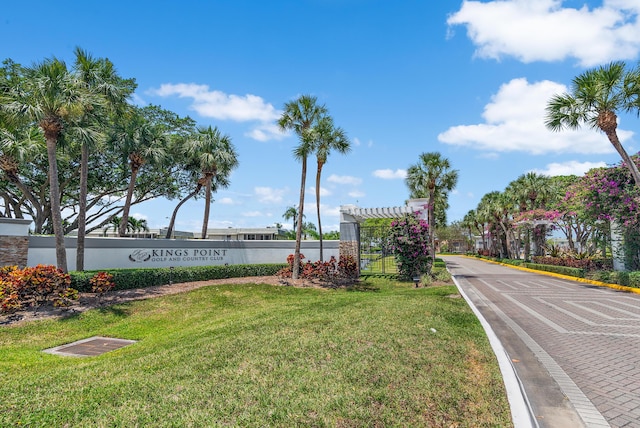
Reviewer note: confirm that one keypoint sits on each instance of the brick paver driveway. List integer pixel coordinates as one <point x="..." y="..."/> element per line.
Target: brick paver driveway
<point x="575" y="347"/>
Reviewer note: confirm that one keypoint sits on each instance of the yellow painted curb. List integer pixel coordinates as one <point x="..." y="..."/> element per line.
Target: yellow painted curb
<point x="557" y="275"/>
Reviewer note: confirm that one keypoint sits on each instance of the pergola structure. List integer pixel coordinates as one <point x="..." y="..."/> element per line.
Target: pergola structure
<point x="351" y="216"/>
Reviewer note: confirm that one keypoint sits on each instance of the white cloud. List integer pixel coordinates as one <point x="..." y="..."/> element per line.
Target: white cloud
<point x="514" y="122"/>
<point x="269" y="195"/>
<point x="252" y="214"/>
<point x="226" y="201"/>
<point x="139" y="216"/>
<point x="325" y="211"/>
<point x="323" y="191"/>
<point x="344" y="179"/>
<point x="389" y="174"/>
<point x="218" y="105"/>
<point x="222" y="106"/>
<point x="569" y="168"/>
<point x="356" y="194"/>
<point x="265" y="132"/>
<point x="543" y="30"/>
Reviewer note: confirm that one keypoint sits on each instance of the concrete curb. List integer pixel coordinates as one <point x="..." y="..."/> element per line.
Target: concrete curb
<point x="521" y="412"/>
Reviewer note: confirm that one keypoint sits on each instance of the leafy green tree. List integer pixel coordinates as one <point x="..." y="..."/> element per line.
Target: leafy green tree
<point x="50" y="96"/>
<point x="301" y="115"/>
<point x="596" y="97"/>
<point x="432" y="178"/>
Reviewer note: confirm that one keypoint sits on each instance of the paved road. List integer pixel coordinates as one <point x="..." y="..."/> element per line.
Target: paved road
<point x="575" y="347"/>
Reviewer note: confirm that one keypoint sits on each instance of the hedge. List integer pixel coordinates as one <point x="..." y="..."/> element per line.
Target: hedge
<point x="139" y="278"/>
<point x="562" y="270"/>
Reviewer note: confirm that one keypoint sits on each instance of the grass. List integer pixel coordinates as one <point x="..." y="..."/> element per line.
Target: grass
<point x="380" y="265"/>
<point x="384" y="354"/>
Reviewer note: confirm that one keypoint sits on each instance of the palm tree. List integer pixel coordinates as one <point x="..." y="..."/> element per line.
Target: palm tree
<point x="327" y="138"/>
<point x="137" y="139"/>
<point x="98" y="76"/>
<point x="114" y="223"/>
<point x="595" y="98"/>
<point x="309" y="229"/>
<point x="217" y="157"/>
<point x="50" y="96"/>
<point x="291" y="213"/>
<point x="531" y="191"/>
<point x="138" y="225"/>
<point x="432" y="178"/>
<point x="472" y="223"/>
<point x="300" y="116"/>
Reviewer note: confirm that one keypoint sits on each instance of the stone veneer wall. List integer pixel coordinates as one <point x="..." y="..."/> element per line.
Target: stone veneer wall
<point x="14" y="250"/>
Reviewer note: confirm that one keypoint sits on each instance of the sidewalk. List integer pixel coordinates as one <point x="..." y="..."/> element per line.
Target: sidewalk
<point x="574" y="348"/>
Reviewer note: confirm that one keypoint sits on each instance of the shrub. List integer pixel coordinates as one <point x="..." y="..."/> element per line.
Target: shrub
<point x="563" y="270"/>
<point x="126" y="279"/>
<point x="333" y="271"/>
<point x="101" y="283"/>
<point x="35" y="286"/>
<point x="409" y="239"/>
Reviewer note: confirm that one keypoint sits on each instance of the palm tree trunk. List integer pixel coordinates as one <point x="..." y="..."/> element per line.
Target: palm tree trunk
<point x="82" y="207"/>
<point x="615" y="141"/>
<point x="296" y="254"/>
<point x="207" y="204"/>
<point x="124" y="221"/>
<point x="432" y="225"/>
<point x="175" y="211"/>
<point x="56" y="215"/>
<point x="318" y="174"/>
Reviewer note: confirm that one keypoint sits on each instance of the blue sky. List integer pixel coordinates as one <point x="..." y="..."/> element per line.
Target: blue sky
<point x="468" y="79"/>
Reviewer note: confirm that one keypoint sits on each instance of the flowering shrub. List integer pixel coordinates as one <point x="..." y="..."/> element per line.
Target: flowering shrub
<point x="332" y="271"/>
<point x="101" y="283"/>
<point x="34" y="286"/>
<point x="409" y="240"/>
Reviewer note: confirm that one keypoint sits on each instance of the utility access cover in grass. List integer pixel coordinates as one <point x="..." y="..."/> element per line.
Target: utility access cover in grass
<point x="90" y="347"/>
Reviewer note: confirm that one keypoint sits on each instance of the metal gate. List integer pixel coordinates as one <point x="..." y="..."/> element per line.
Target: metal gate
<point x="375" y="255"/>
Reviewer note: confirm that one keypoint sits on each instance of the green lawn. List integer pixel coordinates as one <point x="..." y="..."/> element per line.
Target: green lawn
<point x="258" y="355"/>
<point x="377" y="264"/>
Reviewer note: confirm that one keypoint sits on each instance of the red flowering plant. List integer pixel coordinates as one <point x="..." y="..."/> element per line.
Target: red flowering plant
<point x="333" y="272"/>
<point x="35" y="286"/>
<point x="101" y="283"/>
<point x="409" y="241"/>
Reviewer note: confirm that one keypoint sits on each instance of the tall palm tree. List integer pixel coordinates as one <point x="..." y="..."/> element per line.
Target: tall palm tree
<point x="596" y="97"/>
<point x="431" y="178"/>
<point x="140" y="142"/>
<point x="98" y="76"/>
<point x="300" y="116"/>
<point x="50" y="96"/>
<point x="327" y="138"/>
<point x="216" y="156"/>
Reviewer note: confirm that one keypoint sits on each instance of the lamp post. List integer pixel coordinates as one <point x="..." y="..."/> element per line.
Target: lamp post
<point x="416" y="280"/>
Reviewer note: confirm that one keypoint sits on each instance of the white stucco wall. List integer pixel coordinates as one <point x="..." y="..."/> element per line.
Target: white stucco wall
<point x="111" y="253"/>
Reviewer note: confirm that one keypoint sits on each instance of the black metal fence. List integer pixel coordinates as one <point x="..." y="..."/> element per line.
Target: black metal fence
<point x="375" y="255"/>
